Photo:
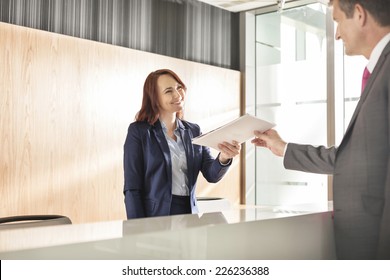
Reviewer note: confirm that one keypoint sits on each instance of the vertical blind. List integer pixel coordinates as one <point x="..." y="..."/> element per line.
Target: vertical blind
<point x="186" y="29"/>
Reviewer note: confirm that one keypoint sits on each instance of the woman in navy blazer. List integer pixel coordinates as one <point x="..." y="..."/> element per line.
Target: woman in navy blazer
<point x="161" y="165"/>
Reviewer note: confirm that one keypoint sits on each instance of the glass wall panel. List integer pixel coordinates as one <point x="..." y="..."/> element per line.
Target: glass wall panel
<point x="250" y="105"/>
<point x="291" y="92"/>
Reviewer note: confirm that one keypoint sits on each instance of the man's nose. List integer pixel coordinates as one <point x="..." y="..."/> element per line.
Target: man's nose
<point x="337" y="34"/>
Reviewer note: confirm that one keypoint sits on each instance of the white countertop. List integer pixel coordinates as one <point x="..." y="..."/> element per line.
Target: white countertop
<point x="250" y="232"/>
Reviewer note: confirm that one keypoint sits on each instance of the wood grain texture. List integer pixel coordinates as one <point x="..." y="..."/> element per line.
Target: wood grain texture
<point x="65" y="106"/>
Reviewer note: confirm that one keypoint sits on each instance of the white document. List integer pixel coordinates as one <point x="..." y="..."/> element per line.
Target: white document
<point x="240" y="130"/>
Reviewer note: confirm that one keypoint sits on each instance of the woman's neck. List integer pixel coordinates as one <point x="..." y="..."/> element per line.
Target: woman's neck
<point x="169" y="121"/>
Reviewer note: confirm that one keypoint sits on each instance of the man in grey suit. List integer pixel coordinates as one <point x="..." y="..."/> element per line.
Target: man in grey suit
<point x="361" y="163"/>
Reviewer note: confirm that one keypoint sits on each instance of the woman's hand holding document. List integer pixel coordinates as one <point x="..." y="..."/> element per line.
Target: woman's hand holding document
<point x="239" y="130"/>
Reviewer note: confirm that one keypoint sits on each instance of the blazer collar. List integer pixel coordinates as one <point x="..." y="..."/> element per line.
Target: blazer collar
<point x="180" y="124"/>
<point x="367" y="89"/>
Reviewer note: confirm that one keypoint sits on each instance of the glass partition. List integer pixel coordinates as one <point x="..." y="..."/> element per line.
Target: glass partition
<point x="291" y="91"/>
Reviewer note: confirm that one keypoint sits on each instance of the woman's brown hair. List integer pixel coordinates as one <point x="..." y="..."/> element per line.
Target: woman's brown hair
<point x="150" y="108"/>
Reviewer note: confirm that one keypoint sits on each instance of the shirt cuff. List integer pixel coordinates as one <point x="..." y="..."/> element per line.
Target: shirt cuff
<point x="285" y="149"/>
<point x="225" y="164"/>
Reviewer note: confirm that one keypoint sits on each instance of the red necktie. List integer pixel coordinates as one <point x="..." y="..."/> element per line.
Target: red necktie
<point x="366" y="75"/>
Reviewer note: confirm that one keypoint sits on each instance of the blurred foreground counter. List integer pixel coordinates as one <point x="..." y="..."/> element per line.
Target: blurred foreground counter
<point x="251" y="232"/>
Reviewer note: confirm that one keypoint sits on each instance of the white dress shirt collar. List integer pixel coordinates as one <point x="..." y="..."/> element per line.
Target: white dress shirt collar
<point x="376" y="52"/>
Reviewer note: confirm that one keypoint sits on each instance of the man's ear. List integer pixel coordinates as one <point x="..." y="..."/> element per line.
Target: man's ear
<point x="360" y="14"/>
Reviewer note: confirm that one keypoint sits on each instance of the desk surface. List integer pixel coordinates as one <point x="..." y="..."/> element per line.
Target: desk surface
<point x="300" y="232"/>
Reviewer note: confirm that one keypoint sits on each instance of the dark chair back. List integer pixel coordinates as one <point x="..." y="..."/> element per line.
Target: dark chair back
<point x="24" y="221"/>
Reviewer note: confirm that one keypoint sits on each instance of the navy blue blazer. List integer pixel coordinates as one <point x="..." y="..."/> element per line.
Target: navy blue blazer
<point x="148" y="168"/>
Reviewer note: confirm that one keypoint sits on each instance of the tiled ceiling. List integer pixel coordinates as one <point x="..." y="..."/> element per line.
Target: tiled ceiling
<point x="246" y="5"/>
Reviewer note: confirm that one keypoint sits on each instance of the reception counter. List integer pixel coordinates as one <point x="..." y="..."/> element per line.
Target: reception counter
<point x="302" y="232"/>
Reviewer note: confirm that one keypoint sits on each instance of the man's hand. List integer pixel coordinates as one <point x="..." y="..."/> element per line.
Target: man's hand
<point x="270" y="139"/>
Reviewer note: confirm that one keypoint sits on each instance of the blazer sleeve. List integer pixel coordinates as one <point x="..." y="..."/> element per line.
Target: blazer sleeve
<point x="133" y="170"/>
<point x="212" y="169"/>
<point x="311" y="159"/>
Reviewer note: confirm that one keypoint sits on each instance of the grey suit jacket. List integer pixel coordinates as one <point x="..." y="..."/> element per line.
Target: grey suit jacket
<point x="361" y="171"/>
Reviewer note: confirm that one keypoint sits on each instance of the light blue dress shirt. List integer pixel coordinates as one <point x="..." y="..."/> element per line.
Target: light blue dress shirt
<point x="179" y="162"/>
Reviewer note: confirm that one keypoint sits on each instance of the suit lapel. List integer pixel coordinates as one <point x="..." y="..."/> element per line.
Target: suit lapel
<point x="186" y="136"/>
<point x="160" y="137"/>
<point x="366" y="91"/>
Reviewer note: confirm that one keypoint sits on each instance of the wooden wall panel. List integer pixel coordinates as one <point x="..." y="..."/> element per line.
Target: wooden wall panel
<point x="65" y="106"/>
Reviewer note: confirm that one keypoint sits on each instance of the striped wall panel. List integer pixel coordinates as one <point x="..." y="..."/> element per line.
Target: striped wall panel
<point x="185" y="29"/>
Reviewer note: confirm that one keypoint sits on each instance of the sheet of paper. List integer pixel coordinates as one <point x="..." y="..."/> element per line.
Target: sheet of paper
<point x="240" y="129"/>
